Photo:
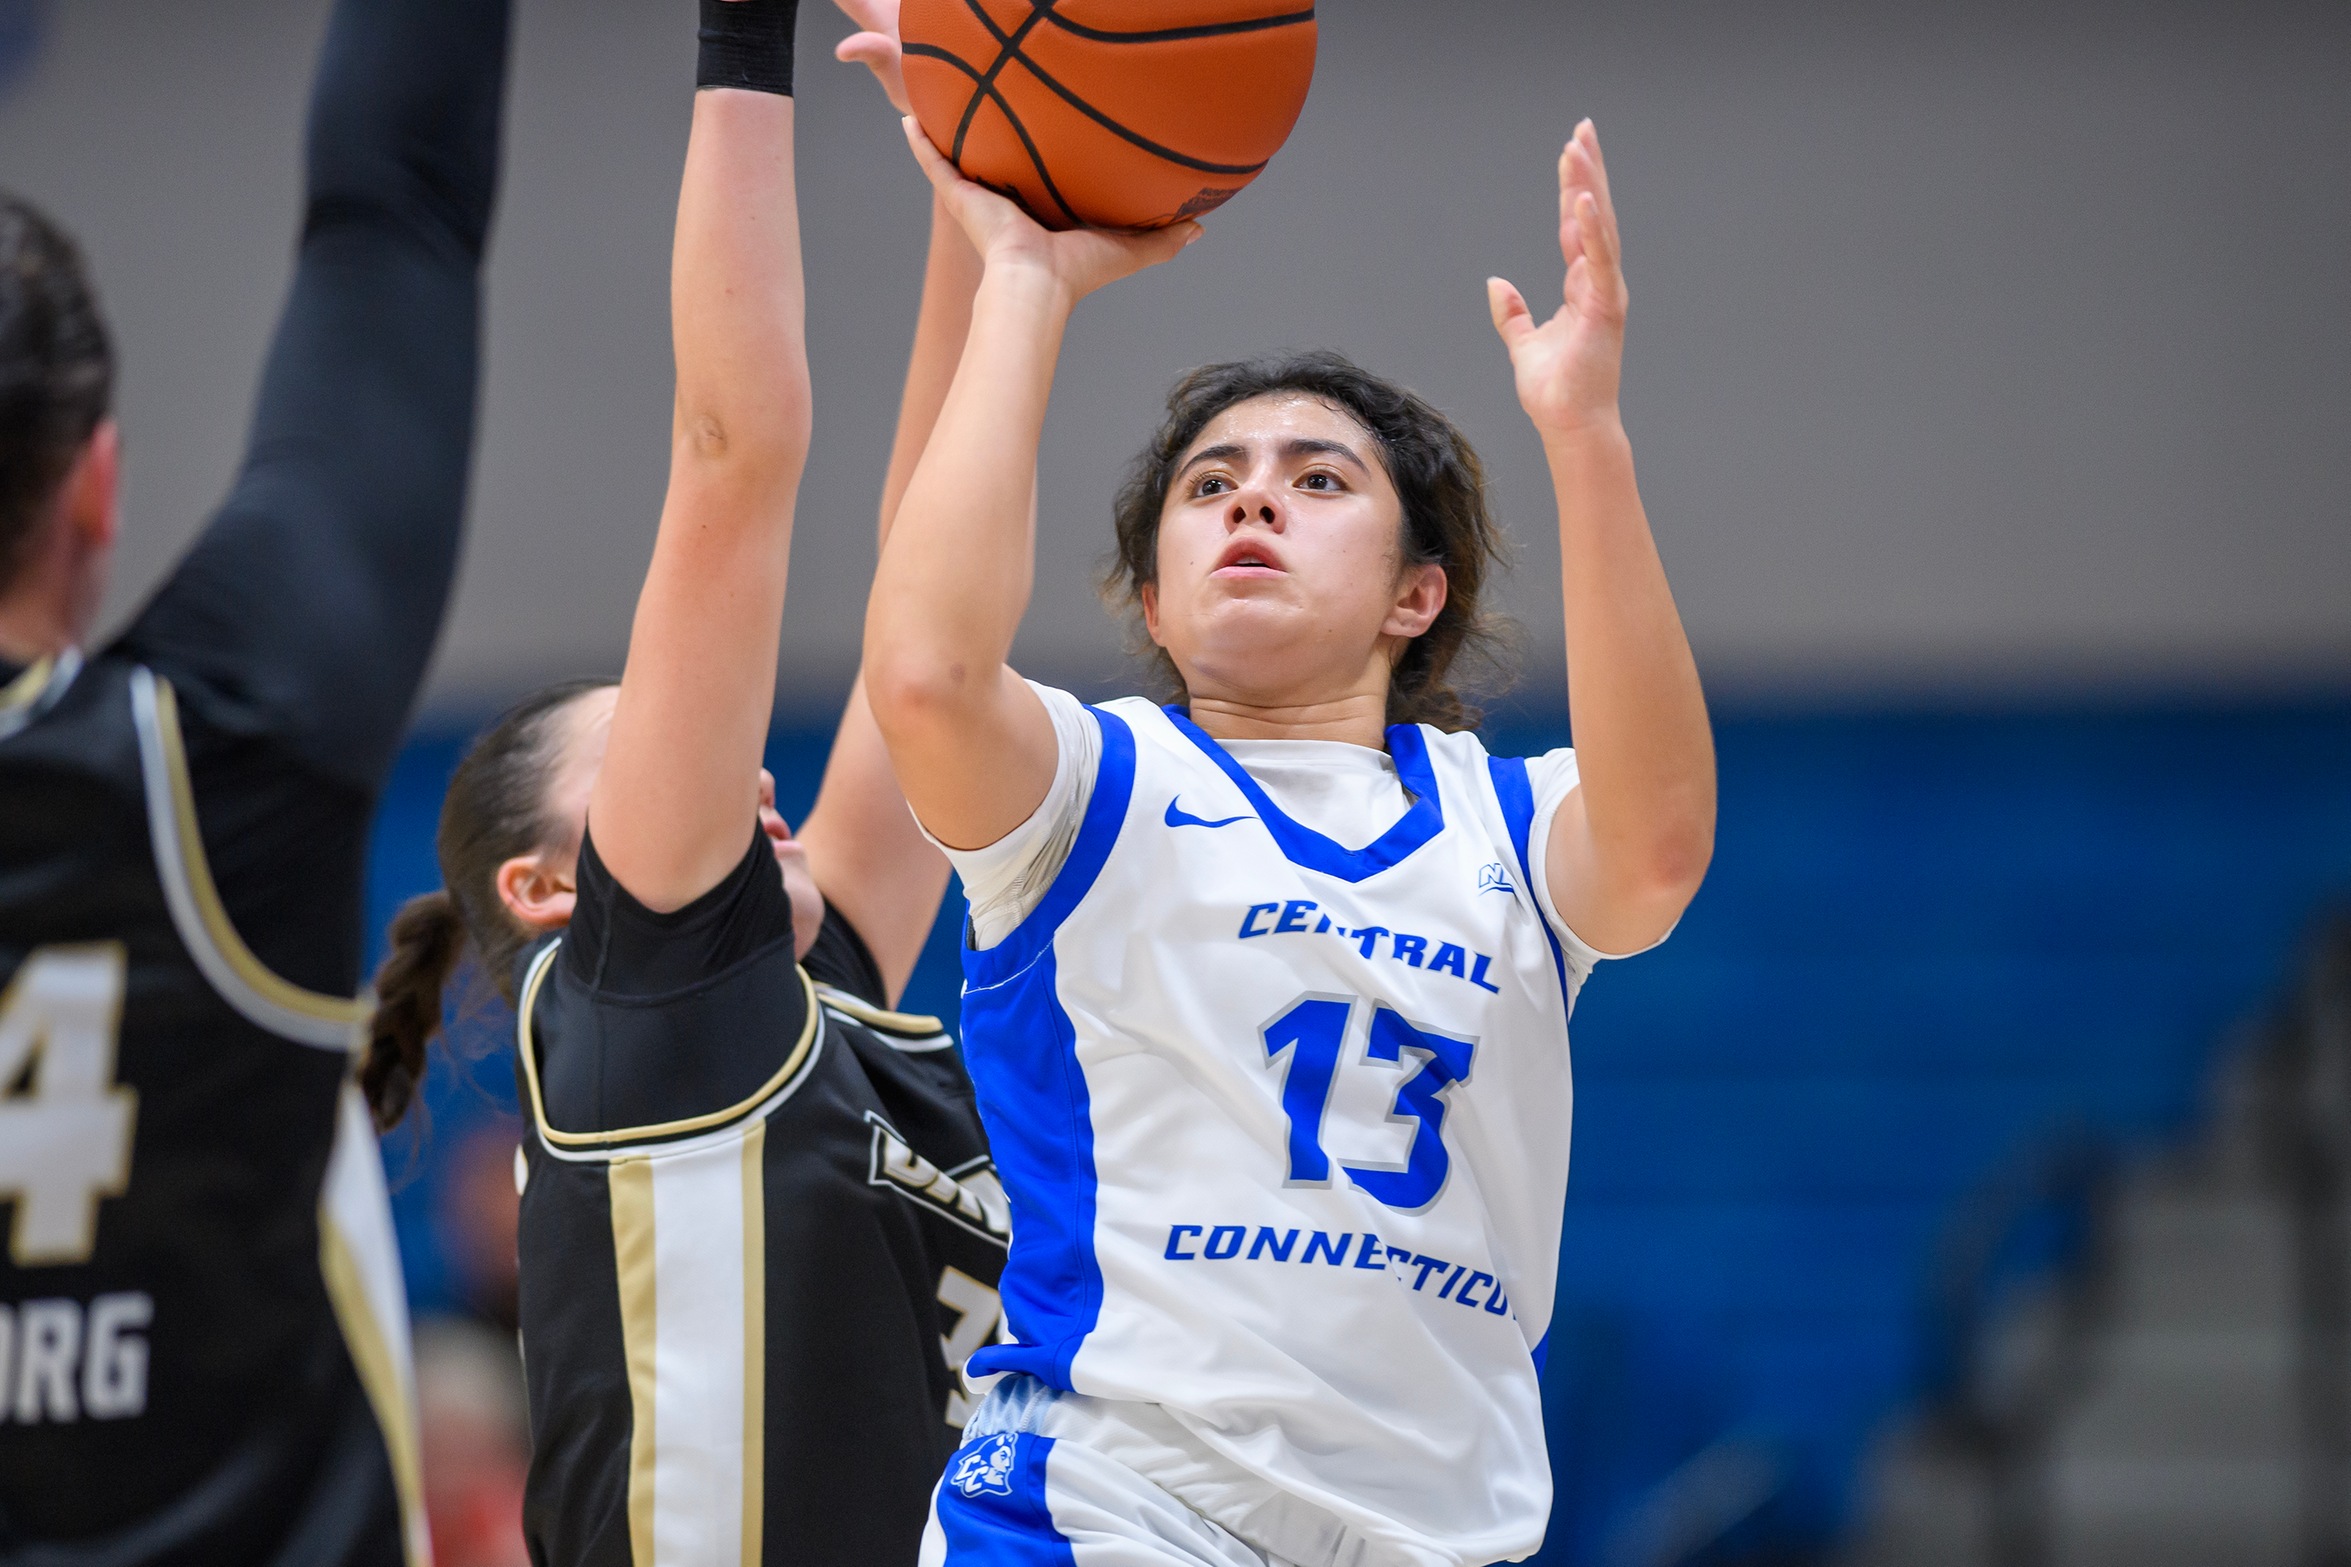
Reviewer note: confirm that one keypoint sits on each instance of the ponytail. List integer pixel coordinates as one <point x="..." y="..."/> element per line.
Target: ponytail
<point x="496" y="808"/>
<point x="427" y="937"/>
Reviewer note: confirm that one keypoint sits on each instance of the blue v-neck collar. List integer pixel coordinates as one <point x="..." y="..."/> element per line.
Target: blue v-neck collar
<point x="1302" y="845"/>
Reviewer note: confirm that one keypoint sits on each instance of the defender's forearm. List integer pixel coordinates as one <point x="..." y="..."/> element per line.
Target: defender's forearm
<point x="951" y="276"/>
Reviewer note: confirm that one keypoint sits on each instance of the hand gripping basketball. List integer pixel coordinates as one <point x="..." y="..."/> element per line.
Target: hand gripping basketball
<point x="1078" y="261"/>
<point x="1568" y="367"/>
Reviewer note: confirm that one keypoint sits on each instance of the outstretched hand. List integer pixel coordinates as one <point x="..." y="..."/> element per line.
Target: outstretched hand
<point x="876" y="47"/>
<point x="1079" y="261"/>
<point x="1568" y="367"/>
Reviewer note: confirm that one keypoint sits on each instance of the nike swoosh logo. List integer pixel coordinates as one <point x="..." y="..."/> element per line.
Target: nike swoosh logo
<point x="1177" y="816"/>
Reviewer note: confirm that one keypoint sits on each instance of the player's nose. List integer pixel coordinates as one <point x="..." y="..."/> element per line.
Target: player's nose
<point x="1256" y="504"/>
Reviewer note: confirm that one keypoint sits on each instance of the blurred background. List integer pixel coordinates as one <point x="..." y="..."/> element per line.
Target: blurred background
<point x="1966" y="1181"/>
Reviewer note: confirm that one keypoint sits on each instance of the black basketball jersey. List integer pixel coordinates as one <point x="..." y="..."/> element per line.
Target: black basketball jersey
<point x="760" y="1234"/>
<point x="203" y="1343"/>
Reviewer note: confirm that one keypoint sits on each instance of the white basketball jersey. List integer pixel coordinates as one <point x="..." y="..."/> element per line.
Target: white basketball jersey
<point x="1285" y="1130"/>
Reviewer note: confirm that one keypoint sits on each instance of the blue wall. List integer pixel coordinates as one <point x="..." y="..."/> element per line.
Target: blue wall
<point x="24" y="26"/>
<point x="1929" y="940"/>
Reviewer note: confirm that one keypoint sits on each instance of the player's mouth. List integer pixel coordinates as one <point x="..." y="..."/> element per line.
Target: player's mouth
<point x="1248" y="558"/>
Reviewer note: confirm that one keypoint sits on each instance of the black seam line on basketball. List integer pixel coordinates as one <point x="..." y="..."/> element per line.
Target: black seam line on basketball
<point x="1007" y="45"/>
<point x="1166" y="35"/>
<point x="1040" y="8"/>
<point x="982" y="89"/>
<point x="1010" y="43"/>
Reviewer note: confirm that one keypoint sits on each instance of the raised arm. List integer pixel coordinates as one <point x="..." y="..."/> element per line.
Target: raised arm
<point x="676" y="802"/>
<point x="310" y="604"/>
<point x="1631" y="843"/>
<point x="870" y="860"/>
<point x="973" y="745"/>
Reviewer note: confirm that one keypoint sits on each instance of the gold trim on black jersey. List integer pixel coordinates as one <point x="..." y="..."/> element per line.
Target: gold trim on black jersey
<point x="360" y="1262"/>
<point x="754" y="1469"/>
<point x="541" y="965"/>
<point x="689" y="1249"/>
<point x="28" y="685"/>
<point x="36" y="689"/>
<point x="630" y="1183"/>
<point x="908" y="1033"/>
<point x="913" y="1025"/>
<point x="265" y="1000"/>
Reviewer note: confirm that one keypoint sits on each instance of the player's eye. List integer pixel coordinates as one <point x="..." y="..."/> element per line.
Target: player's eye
<point x="1213" y="484"/>
<point x="1319" y="480"/>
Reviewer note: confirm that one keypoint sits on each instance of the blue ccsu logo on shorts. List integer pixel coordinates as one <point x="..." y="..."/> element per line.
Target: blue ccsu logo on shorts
<point x="985" y="1468"/>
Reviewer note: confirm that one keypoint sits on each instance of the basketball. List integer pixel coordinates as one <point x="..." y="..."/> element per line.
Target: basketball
<point x="1124" y="114"/>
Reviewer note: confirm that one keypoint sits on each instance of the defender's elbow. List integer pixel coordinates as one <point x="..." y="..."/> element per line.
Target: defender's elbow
<point x="755" y="437"/>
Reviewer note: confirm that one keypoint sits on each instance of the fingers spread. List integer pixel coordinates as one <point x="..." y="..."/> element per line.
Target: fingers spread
<point x="1508" y="307"/>
<point x="1597" y="276"/>
<point x="943" y="174"/>
<point x="1600" y="239"/>
<point x="1592" y="173"/>
<point x="1175" y="237"/>
<point x="1588" y="135"/>
<point x="1149" y="247"/>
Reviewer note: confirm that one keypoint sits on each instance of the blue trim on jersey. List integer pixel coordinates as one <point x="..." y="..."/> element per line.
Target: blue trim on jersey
<point x="1106" y="814"/>
<point x="1021" y="1050"/>
<point x="1302" y="845"/>
<point x="1514" y="791"/>
<point x="1001" y="1520"/>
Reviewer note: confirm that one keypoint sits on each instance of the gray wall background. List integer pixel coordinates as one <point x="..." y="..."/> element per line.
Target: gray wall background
<point x="1973" y="345"/>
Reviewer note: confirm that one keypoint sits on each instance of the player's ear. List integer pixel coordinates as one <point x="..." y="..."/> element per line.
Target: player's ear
<point x="1420" y="598"/>
<point x="91" y="499"/>
<point x="536" y="891"/>
<point x="1148" y="596"/>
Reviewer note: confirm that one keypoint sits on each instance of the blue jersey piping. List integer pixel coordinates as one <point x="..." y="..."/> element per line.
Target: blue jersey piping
<point x="1302" y="845"/>
<point x="1021" y="1048"/>
<point x="1514" y="791"/>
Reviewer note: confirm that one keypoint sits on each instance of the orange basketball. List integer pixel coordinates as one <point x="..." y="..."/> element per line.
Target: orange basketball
<point x="1111" y="113"/>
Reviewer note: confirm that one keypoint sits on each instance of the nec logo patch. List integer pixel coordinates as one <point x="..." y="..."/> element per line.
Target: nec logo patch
<point x="985" y="1469"/>
<point x="1493" y="878"/>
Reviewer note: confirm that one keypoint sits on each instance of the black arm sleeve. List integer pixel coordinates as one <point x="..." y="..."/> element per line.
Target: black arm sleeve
<point x="654" y="1018"/>
<point x="307" y="610"/>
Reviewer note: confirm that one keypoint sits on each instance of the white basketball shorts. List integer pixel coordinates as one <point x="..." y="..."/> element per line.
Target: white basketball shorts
<point x="1016" y="1499"/>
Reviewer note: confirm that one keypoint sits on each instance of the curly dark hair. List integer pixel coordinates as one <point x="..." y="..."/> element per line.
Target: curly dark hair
<point x="1447" y="519"/>
<point x="56" y="370"/>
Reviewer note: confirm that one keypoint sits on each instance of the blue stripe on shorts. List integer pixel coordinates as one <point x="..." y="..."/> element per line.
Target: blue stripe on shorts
<point x="992" y="1505"/>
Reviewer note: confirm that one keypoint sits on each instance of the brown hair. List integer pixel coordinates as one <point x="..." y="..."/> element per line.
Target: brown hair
<point x="56" y="370"/>
<point x="1447" y="519"/>
<point x="496" y="808"/>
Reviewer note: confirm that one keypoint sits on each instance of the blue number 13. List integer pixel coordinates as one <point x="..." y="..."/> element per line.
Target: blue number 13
<point x="1312" y="1033"/>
